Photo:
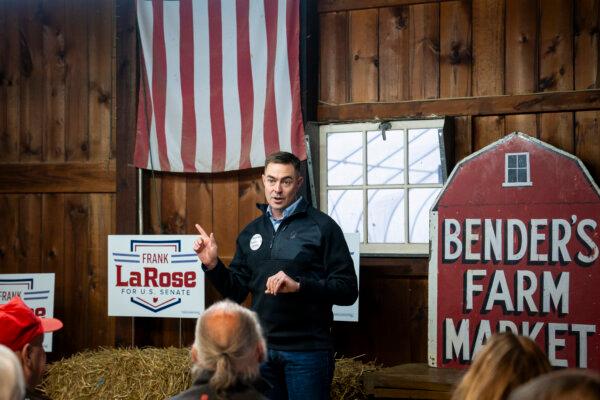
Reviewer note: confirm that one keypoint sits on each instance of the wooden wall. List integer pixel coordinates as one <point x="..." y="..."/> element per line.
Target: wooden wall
<point x="57" y="164"/>
<point x="497" y="66"/>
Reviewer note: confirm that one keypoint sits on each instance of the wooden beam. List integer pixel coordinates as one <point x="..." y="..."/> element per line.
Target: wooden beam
<point x="578" y="100"/>
<point x="79" y="177"/>
<point x="125" y="110"/>
<point x="326" y="6"/>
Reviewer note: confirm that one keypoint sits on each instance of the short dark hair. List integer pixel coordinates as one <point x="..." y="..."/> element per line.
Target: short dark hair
<point x="283" y="157"/>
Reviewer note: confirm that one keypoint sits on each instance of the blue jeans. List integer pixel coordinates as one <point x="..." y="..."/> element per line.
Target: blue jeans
<point x="299" y="375"/>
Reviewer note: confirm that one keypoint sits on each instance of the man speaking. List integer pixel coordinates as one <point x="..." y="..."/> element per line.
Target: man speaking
<point x="295" y="262"/>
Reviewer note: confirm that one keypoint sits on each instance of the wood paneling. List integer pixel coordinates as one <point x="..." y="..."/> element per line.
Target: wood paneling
<point x="521" y="46"/>
<point x="487" y="130"/>
<point x="556" y="45"/>
<point x="333" y="67"/>
<point x="424" y="50"/>
<point x="587" y="140"/>
<point x="463" y="137"/>
<point x="392" y="325"/>
<point x="101" y="224"/>
<point x="58" y="206"/>
<point x="225" y="212"/>
<point x="340" y="5"/>
<point x="526" y="123"/>
<point x="100" y="48"/>
<point x="394" y="36"/>
<point x="77" y="141"/>
<point x="124" y="108"/>
<point x="456" y="49"/>
<point x="250" y="192"/>
<point x="74" y="311"/>
<point x="57" y="178"/>
<point x="586" y="31"/>
<point x="488" y="105"/>
<point x="488" y="47"/>
<point x="9" y="148"/>
<point x="52" y="243"/>
<point x="9" y="215"/>
<point x="363" y="57"/>
<point x="3" y="78"/>
<point x="32" y="79"/>
<point x="29" y="232"/>
<point x="55" y="72"/>
<point x="557" y="129"/>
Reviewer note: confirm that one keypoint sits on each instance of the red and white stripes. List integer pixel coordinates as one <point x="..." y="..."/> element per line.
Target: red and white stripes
<point x="221" y="83"/>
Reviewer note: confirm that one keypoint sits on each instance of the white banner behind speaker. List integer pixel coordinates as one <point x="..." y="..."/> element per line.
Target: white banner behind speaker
<point x="350" y="313"/>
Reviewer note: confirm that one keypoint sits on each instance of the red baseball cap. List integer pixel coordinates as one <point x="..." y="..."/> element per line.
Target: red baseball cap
<point x="20" y="325"/>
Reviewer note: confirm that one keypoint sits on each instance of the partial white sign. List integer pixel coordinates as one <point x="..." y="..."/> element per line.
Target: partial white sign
<point x="36" y="290"/>
<point x="350" y="313"/>
<point x="154" y="276"/>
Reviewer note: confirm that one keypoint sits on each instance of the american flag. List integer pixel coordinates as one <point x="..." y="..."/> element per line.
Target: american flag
<point x="219" y="86"/>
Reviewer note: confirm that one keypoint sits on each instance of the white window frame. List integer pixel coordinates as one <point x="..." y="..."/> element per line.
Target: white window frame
<point x="527" y="167"/>
<point x="404" y="249"/>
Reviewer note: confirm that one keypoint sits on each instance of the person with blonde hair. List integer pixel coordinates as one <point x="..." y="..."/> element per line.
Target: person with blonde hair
<point x="226" y="355"/>
<point x="568" y="384"/>
<point x="503" y="363"/>
<point x="12" y="383"/>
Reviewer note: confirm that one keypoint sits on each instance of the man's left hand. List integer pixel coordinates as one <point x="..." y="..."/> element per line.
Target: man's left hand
<point x="281" y="283"/>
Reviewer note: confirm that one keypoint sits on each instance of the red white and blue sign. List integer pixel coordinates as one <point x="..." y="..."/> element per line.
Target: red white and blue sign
<point x="154" y="276"/>
<point x="36" y="290"/>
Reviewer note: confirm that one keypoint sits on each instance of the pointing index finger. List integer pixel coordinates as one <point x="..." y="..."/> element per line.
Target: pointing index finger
<point x="201" y="231"/>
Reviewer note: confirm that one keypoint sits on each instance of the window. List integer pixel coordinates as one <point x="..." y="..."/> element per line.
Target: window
<point x="516" y="171"/>
<point x="382" y="184"/>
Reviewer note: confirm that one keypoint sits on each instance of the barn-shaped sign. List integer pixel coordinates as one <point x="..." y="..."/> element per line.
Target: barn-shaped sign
<point x="514" y="246"/>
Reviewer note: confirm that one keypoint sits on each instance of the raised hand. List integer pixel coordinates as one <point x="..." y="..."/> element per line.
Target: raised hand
<point x="206" y="248"/>
<point x="281" y="283"/>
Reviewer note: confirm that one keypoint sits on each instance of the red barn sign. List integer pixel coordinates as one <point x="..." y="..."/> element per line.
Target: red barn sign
<point x="515" y="246"/>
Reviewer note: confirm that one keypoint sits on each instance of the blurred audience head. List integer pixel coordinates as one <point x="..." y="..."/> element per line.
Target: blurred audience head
<point x="230" y="343"/>
<point x="12" y="384"/>
<point x="503" y="363"/>
<point x="568" y="384"/>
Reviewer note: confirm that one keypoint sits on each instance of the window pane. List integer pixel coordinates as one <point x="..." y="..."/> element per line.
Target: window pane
<point x="424" y="164"/>
<point x="344" y="158"/>
<point x="346" y="208"/>
<point x="512" y="161"/>
<point x="522" y="175"/>
<point x="419" y="203"/>
<point x="385" y="158"/>
<point x="386" y="215"/>
<point x="512" y="175"/>
<point x="522" y="159"/>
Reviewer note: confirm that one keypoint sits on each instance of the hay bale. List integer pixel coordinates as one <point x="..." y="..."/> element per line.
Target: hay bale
<point x="153" y="373"/>
<point x="347" y="379"/>
<point x="144" y="374"/>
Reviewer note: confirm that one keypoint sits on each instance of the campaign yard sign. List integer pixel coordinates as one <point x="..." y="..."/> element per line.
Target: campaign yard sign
<point x="154" y="276"/>
<point x="36" y="290"/>
<point x="515" y="245"/>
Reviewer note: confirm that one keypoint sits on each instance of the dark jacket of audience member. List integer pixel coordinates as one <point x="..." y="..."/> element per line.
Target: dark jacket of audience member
<point x="503" y="363"/>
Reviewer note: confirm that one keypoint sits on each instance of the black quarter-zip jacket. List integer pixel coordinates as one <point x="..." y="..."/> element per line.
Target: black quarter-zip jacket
<point x="309" y="247"/>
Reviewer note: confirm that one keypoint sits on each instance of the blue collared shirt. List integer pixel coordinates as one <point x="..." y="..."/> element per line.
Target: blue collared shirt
<point x="286" y="213"/>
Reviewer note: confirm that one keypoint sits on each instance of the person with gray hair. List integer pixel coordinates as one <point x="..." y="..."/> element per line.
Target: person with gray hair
<point x="226" y="355"/>
<point x="12" y="383"/>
